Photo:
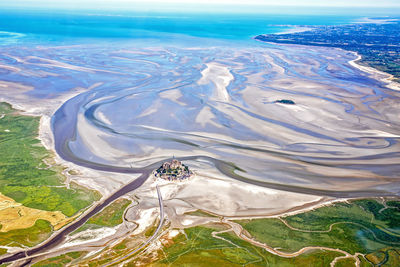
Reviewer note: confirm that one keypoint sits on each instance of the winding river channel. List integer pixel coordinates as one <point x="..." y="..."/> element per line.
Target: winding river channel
<point x="339" y="138"/>
<point x="142" y="106"/>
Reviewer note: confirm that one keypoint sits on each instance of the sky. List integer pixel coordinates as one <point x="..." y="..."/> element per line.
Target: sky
<point x="379" y="7"/>
<point x="316" y="3"/>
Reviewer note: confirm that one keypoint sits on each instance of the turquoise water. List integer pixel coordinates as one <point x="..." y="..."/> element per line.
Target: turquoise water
<point x="63" y="26"/>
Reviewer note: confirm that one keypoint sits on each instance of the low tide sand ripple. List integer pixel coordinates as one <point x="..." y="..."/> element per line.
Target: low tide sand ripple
<point x="219" y="103"/>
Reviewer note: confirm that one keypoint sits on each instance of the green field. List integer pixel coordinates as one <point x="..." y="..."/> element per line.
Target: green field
<point x="200" y="213"/>
<point x="369" y="227"/>
<point x="27" y="237"/>
<point x="61" y="260"/>
<point x="200" y="248"/>
<point x="24" y="175"/>
<point x="110" y="216"/>
<point x="363" y="226"/>
<point x="3" y="251"/>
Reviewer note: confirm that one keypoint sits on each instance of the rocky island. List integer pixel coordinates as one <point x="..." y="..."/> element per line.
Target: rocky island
<point x="173" y="171"/>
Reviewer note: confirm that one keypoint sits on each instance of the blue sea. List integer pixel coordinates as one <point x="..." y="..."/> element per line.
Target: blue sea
<point x="159" y="28"/>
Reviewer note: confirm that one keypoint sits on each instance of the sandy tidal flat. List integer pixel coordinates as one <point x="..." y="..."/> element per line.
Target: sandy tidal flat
<point x="148" y="104"/>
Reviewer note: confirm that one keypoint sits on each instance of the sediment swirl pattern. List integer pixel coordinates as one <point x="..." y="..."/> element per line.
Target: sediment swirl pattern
<point x="145" y="105"/>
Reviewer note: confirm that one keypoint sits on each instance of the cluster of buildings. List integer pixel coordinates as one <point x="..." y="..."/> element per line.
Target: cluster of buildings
<point x="173" y="171"/>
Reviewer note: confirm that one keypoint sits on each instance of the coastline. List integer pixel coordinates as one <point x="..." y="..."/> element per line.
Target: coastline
<point x="295" y="29"/>
<point x="91" y="178"/>
<point x="388" y="78"/>
<point x="82" y="176"/>
<point x="47" y="138"/>
<point x="86" y="176"/>
<point x="255" y="155"/>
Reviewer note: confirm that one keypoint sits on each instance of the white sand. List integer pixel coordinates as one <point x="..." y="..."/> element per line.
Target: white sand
<point x="88" y="236"/>
<point x="271" y="142"/>
<point x="211" y="191"/>
<point x="220" y="76"/>
<point x="172" y="95"/>
<point x="104" y="182"/>
<point x="206" y="116"/>
<point x="144" y="219"/>
<point x="376" y="74"/>
<point x="295" y="29"/>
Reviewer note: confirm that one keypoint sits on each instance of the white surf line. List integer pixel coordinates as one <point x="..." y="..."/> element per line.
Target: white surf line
<point x="160" y="202"/>
<point x="388" y="78"/>
<point x="294" y="29"/>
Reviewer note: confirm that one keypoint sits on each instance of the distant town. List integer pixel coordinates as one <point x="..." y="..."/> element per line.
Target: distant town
<point x="173" y="171"/>
<point x="377" y="43"/>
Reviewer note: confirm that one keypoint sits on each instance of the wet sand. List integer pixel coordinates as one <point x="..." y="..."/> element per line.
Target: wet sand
<point x="147" y="104"/>
<point x="214" y="108"/>
<point x="341" y="136"/>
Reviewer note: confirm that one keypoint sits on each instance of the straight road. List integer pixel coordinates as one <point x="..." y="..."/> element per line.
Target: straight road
<point x="160" y="202"/>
